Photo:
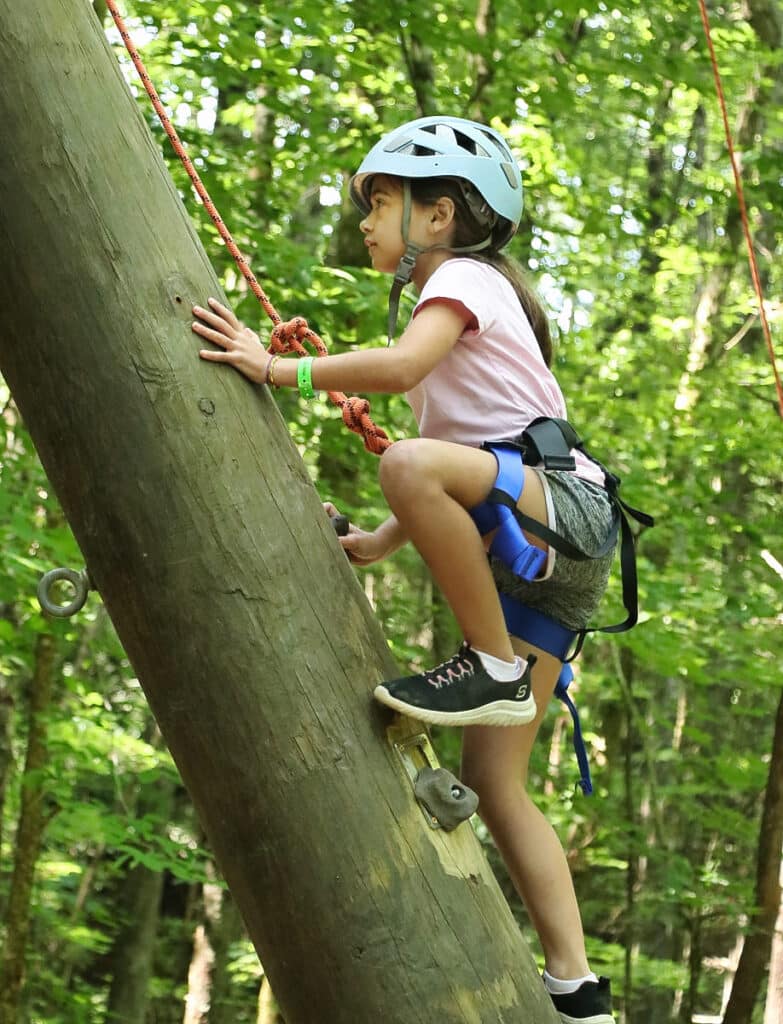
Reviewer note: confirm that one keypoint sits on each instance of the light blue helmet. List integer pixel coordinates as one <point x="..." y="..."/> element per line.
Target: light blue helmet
<point x="472" y="154"/>
<point x="451" y="147"/>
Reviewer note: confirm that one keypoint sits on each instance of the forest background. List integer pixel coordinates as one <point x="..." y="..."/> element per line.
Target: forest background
<point x="631" y="232"/>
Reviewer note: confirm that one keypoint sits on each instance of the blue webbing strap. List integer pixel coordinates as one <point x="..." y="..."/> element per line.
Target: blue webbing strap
<point x="509" y="544"/>
<point x="535" y="628"/>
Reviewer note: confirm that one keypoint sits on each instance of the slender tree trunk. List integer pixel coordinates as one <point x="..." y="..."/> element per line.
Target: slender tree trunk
<point x="225" y="927"/>
<point x="134" y="947"/>
<point x="139" y="909"/>
<point x="243" y="619"/>
<point x="483" y="62"/>
<point x="197" y="1001"/>
<point x="695" y="953"/>
<point x="421" y="71"/>
<point x="6" y="750"/>
<point x="625" y="665"/>
<point x="32" y="822"/>
<point x="773" y="1007"/>
<point x="267" y="1005"/>
<point x="758" y="943"/>
<point x="209" y="995"/>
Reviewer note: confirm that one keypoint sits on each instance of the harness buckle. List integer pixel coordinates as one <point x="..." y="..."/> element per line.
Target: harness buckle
<point x="513" y="548"/>
<point x="567" y="463"/>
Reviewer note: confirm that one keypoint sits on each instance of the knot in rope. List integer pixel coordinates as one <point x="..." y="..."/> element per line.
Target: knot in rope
<point x="356" y="416"/>
<point x="288" y="336"/>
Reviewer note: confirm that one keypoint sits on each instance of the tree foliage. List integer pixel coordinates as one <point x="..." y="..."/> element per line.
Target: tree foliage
<point x="631" y="232"/>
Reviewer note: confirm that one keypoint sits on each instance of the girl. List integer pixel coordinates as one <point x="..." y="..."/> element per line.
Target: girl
<point x="441" y="196"/>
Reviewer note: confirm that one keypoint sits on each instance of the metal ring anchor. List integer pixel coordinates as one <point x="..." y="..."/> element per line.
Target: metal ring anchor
<point x="81" y="583"/>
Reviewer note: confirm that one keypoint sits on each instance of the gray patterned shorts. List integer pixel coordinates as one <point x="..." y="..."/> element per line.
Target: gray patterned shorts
<point x="584" y="516"/>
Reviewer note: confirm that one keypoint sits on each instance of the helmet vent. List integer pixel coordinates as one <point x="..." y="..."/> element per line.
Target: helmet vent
<point x="508" y="170"/>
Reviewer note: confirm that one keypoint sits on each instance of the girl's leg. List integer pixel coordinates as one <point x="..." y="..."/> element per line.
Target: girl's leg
<point x="429" y="485"/>
<point x="495" y="765"/>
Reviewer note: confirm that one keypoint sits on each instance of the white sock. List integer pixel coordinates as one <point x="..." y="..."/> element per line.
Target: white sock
<point x="502" y="671"/>
<point x="560" y="987"/>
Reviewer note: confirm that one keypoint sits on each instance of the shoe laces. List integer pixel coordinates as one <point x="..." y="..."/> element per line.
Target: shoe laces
<point x="452" y="671"/>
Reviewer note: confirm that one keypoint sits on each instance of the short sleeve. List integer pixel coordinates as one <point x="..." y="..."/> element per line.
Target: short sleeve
<point x="459" y="283"/>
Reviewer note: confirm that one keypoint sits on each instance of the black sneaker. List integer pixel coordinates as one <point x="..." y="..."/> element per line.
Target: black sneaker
<point x="461" y="692"/>
<point x="590" y="1004"/>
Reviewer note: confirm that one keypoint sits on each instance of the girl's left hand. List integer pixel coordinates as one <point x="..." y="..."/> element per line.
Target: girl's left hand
<point x="239" y="346"/>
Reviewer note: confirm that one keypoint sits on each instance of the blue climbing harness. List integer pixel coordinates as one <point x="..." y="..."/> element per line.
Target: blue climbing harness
<point x="509" y="543"/>
<point x="549" y="442"/>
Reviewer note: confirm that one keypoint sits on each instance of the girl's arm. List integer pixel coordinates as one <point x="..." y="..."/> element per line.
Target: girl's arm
<point x="428" y="338"/>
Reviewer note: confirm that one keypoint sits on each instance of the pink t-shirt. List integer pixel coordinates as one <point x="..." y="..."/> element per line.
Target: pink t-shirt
<point x="494" y="382"/>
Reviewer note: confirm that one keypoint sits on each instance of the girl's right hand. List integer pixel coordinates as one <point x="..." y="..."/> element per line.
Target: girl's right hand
<point x="362" y="548"/>
<point x="237" y="345"/>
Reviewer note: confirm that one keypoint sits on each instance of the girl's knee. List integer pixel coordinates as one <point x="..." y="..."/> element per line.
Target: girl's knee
<point x="401" y="466"/>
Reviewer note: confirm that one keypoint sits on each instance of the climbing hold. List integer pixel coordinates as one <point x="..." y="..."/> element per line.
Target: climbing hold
<point x="340" y="524"/>
<point x="444" y="797"/>
<point x="81" y="583"/>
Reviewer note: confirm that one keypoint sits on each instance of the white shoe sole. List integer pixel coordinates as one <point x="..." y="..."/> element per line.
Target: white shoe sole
<point x="598" y="1018"/>
<point x="499" y="712"/>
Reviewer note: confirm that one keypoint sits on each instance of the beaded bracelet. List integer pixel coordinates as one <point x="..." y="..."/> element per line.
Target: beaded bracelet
<point x="304" y="377"/>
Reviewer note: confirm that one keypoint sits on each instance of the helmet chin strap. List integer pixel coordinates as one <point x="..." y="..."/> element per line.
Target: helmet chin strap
<point x="412" y="252"/>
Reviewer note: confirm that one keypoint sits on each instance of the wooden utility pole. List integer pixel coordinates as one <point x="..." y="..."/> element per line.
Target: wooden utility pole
<point x="200" y="528"/>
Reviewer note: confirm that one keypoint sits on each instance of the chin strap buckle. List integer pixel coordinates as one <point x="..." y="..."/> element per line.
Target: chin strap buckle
<point x="401" y="277"/>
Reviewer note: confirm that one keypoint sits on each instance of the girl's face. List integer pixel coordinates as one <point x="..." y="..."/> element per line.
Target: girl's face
<point x="382" y="227"/>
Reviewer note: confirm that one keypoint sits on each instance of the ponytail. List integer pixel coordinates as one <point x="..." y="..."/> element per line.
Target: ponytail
<point x="525" y="292"/>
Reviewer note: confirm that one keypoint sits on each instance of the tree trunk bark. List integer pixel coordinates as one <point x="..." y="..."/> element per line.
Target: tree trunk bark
<point x="141" y="889"/>
<point x="6" y="748"/>
<point x="243" y="619"/>
<point x="210" y="995"/>
<point x="773" y="1006"/>
<point x="267" y="1004"/>
<point x="32" y="822"/>
<point x="758" y="943"/>
<point x="133" y="950"/>
<point x="197" y="1006"/>
<point x="224" y="928"/>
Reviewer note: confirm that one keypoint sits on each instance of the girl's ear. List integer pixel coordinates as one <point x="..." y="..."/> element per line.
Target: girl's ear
<point x="442" y="215"/>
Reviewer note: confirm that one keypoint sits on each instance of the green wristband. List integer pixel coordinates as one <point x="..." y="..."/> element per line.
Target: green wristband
<point x="304" y="377"/>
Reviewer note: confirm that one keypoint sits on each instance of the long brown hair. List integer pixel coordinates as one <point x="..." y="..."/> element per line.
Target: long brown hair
<point x="468" y="231"/>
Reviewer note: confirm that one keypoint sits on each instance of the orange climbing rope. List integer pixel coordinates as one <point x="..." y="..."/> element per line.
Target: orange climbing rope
<point x="289" y="336"/>
<point x="754" y="270"/>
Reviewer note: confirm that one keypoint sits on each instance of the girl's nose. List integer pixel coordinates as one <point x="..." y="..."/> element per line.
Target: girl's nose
<point x="363" y="225"/>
